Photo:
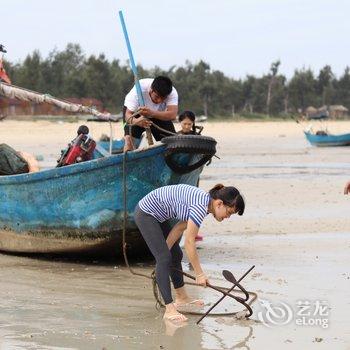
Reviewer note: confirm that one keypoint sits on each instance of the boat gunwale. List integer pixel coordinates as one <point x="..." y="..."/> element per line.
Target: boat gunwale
<point x="99" y="163"/>
<point x="307" y="133"/>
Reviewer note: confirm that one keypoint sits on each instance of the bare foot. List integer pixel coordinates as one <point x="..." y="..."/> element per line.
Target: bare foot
<point x="188" y="302"/>
<point x="171" y="314"/>
<point x="175" y="317"/>
<point x="182" y="299"/>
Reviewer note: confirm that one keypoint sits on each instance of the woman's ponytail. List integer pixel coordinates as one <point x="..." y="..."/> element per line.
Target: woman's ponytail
<point x="215" y="190"/>
<point x="230" y="197"/>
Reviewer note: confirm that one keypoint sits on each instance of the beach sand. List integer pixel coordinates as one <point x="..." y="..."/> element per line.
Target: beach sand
<point x="295" y="231"/>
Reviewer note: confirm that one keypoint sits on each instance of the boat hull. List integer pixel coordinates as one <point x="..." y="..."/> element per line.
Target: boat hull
<point x="328" y="140"/>
<point x="80" y="208"/>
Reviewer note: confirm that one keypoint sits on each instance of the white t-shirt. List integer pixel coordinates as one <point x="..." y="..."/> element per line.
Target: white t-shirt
<point x="132" y="102"/>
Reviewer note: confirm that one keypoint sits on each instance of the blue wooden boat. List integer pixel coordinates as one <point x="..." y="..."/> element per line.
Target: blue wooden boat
<point x="79" y="208"/>
<point x="324" y="139"/>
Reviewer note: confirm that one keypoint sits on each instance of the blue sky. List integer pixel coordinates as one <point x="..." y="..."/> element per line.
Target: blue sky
<point x="238" y="37"/>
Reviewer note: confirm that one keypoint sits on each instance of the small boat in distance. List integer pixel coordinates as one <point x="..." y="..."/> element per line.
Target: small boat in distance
<point x="322" y="137"/>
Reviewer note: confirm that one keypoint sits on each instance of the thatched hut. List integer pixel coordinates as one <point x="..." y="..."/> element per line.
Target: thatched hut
<point x="309" y="111"/>
<point x="338" y="111"/>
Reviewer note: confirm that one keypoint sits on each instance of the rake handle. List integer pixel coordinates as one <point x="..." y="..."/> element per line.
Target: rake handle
<point x="215" y="288"/>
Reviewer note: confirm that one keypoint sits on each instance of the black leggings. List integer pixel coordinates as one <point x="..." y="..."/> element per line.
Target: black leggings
<point x="155" y="234"/>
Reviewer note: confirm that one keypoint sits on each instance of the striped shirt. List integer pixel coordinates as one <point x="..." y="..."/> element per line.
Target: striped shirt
<point x="182" y="202"/>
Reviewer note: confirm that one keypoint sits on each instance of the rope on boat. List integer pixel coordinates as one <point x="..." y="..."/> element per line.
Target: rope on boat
<point x="13" y="91"/>
<point x="131" y="118"/>
<point x="156" y="293"/>
<point x="161" y="129"/>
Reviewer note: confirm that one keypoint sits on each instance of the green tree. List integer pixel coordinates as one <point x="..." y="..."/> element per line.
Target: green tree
<point x="272" y="80"/>
<point x="29" y="73"/>
<point x="65" y="71"/>
<point x="68" y="73"/>
<point x="98" y="80"/>
<point x="325" y="85"/>
<point x="302" y="90"/>
<point x="343" y="89"/>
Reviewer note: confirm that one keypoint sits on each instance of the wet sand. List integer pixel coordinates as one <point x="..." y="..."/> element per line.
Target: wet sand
<point x="295" y="231"/>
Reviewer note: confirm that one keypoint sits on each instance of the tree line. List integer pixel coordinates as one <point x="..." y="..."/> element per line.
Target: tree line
<point x="70" y="73"/>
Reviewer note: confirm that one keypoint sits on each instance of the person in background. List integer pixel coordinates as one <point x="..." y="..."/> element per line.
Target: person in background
<point x="190" y="205"/>
<point x="187" y="121"/>
<point x="161" y="106"/>
<point x="347" y="188"/>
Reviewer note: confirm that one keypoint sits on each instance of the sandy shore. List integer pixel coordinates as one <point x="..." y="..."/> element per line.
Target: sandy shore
<point x="295" y="231"/>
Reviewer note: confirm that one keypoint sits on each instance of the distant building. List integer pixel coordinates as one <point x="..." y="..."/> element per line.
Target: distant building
<point x="338" y="111"/>
<point x="310" y="111"/>
<point x="332" y="111"/>
<point x="14" y="107"/>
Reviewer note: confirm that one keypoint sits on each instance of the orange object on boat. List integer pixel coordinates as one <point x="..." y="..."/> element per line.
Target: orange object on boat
<point x="3" y="75"/>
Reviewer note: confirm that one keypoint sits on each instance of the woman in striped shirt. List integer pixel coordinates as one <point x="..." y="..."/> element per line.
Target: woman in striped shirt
<point x="190" y="205"/>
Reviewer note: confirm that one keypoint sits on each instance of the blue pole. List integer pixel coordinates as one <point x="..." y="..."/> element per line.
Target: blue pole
<point x="132" y="62"/>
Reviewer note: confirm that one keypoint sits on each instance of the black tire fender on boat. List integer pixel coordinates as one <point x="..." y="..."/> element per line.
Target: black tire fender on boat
<point x="193" y="144"/>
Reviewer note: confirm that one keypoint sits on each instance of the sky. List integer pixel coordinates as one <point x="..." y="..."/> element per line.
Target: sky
<point x="237" y="37"/>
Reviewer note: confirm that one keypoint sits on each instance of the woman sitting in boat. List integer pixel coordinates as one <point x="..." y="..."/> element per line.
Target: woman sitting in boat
<point x="190" y="205"/>
<point x="187" y="121"/>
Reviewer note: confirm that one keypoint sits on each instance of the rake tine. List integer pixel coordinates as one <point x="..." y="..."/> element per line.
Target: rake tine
<point x="229" y="291"/>
<point x="231" y="278"/>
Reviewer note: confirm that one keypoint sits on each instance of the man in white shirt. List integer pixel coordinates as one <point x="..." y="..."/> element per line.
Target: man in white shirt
<point x="161" y="106"/>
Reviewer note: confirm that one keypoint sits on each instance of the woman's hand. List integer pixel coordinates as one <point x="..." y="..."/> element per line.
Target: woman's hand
<point x="202" y="279"/>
